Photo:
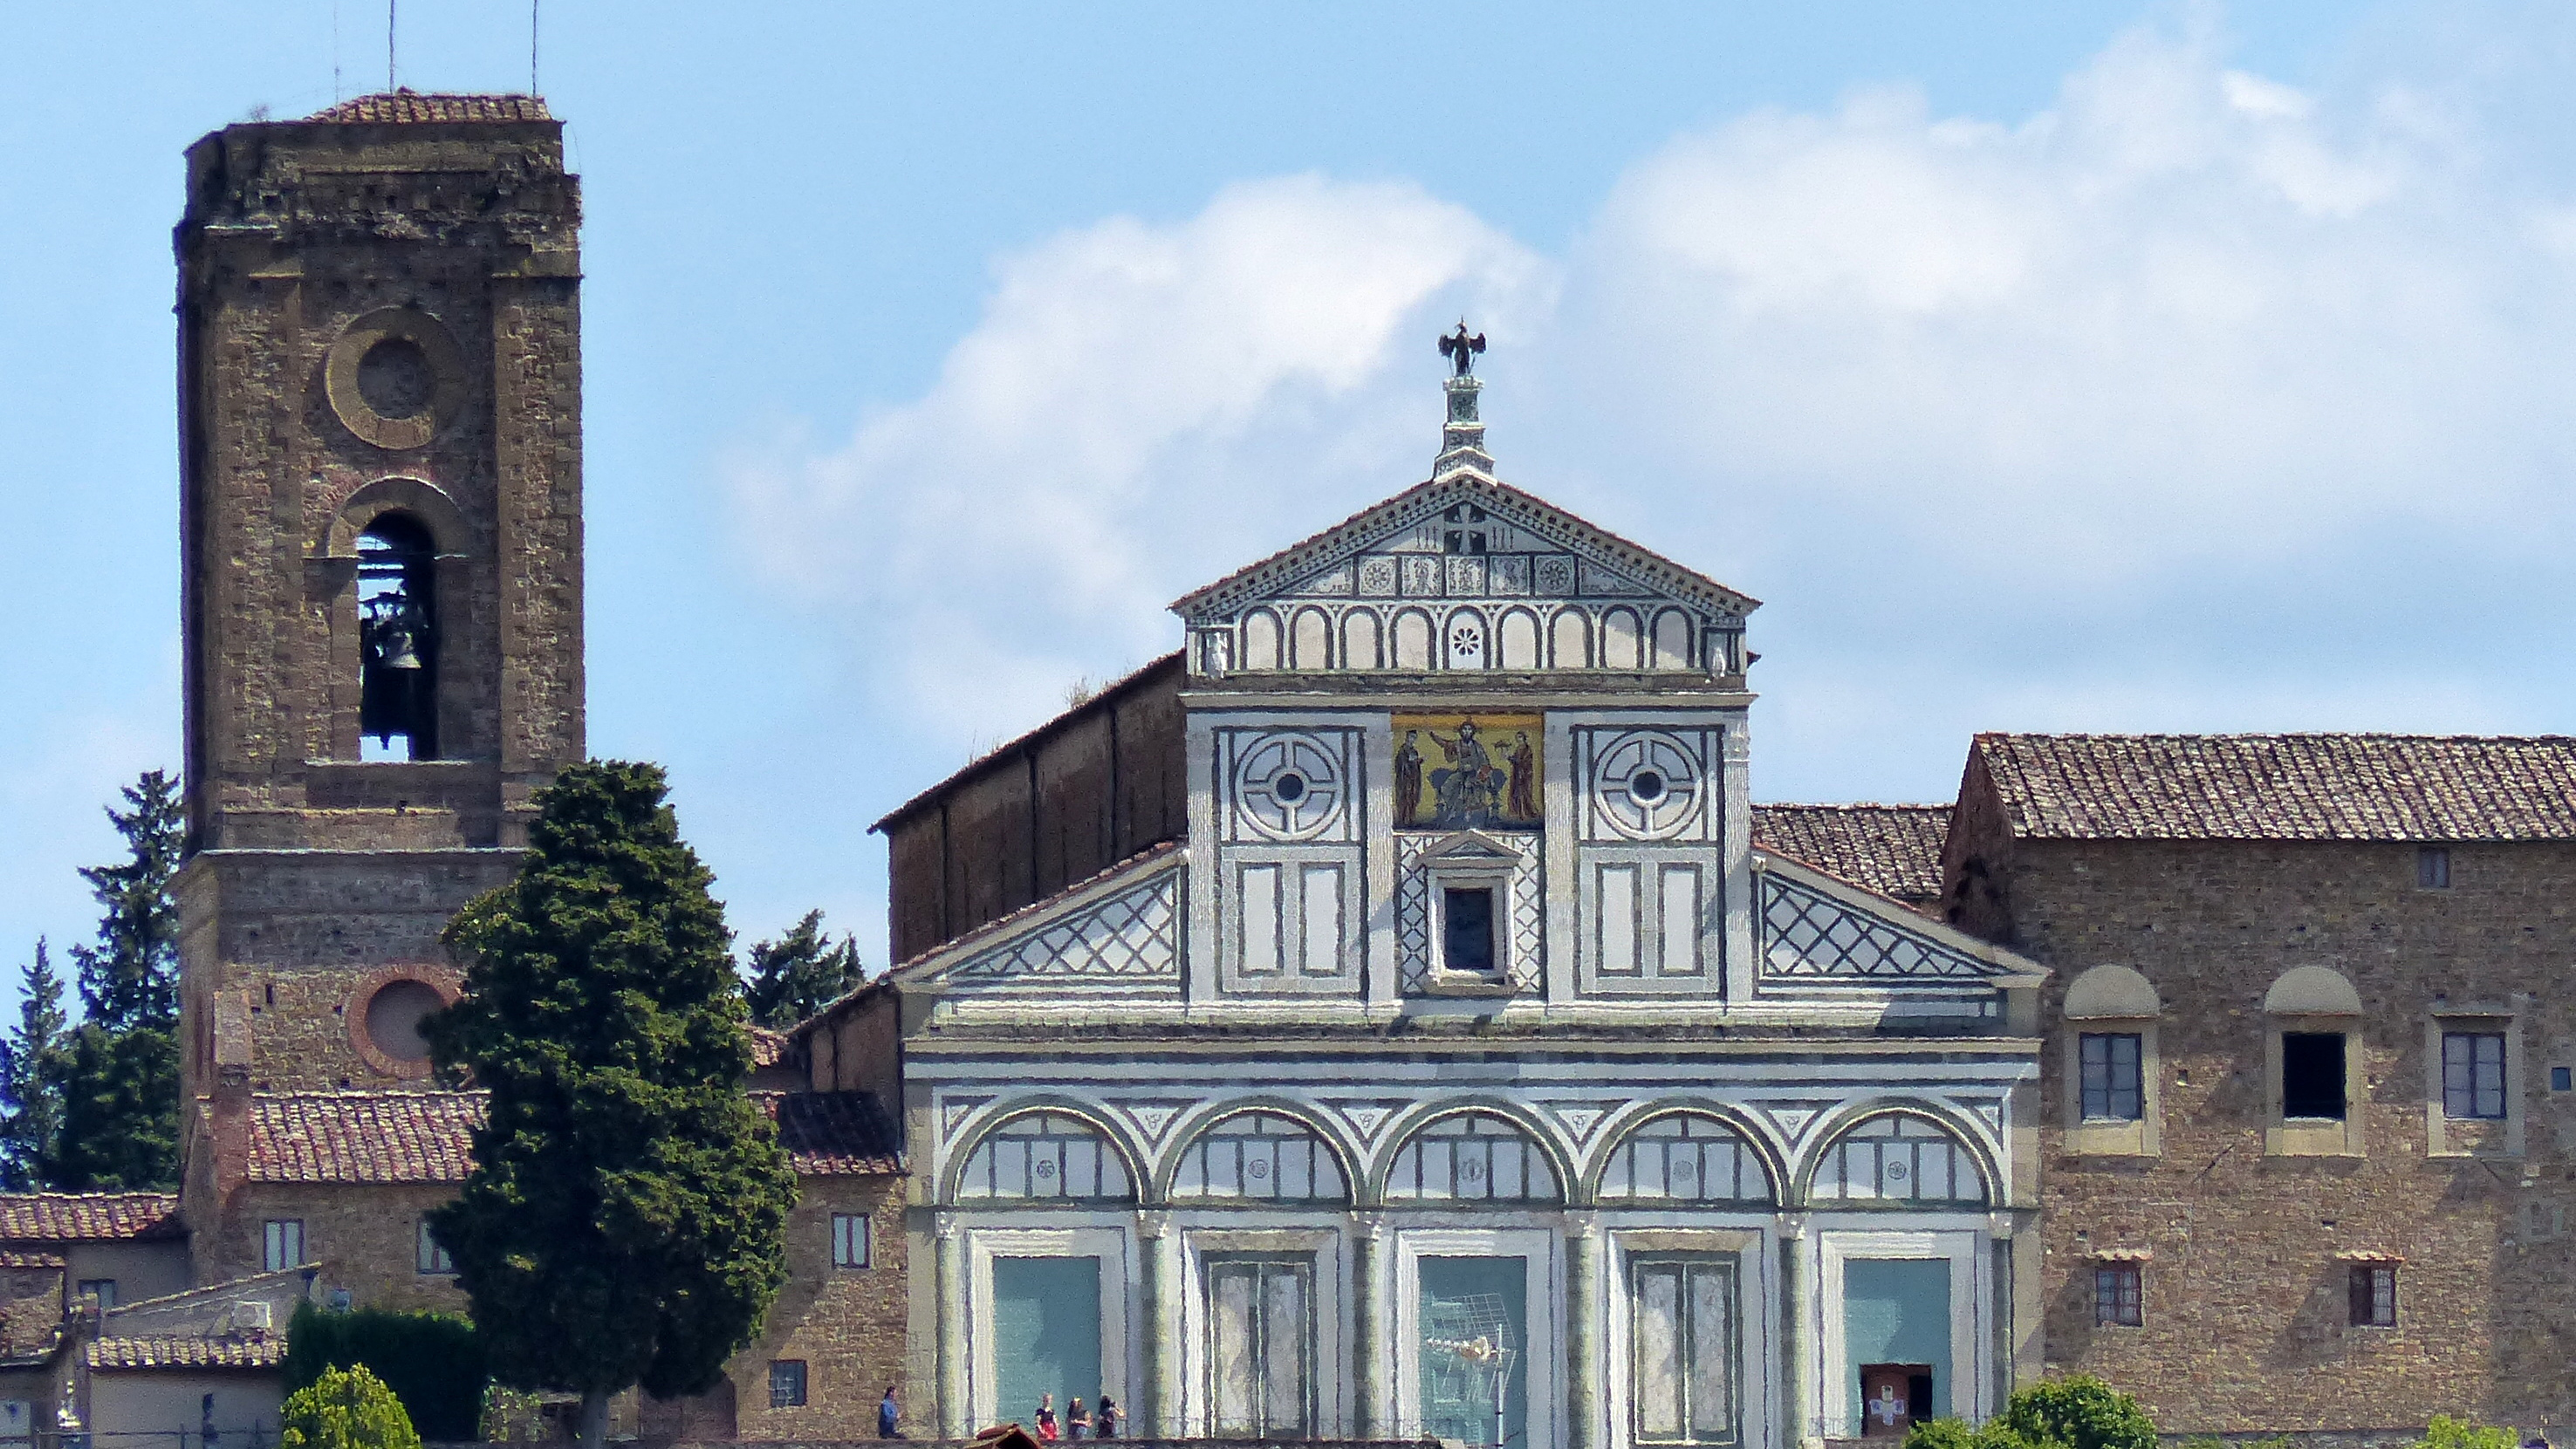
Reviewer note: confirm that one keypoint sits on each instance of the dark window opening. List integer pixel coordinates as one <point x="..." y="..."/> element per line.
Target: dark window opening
<point x="2562" y="1079"/>
<point x="102" y="1289"/>
<point x="1467" y="936"/>
<point x="2312" y="1074"/>
<point x="2118" y="1299"/>
<point x="2473" y="1074"/>
<point x="397" y="640"/>
<point x="2114" y="1088"/>
<point x="1918" y="1397"/>
<point x="787" y="1383"/>
<point x="2374" y="1295"/>
<point x="2433" y="868"/>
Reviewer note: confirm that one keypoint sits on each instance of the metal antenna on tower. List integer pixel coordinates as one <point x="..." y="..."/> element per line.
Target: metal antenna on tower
<point x="532" y="46"/>
<point x="335" y="52"/>
<point x="389" y="43"/>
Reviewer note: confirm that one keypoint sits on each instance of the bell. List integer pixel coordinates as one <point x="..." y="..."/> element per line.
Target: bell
<point x="398" y="652"/>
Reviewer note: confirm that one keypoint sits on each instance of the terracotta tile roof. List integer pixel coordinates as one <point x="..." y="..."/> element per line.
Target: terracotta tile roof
<point x="88" y="1217"/>
<point x="834" y="1134"/>
<point x="2284" y="787"/>
<point x="768" y="1048"/>
<point x="1894" y="850"/>
<point x="186" y="1351"/>
<point x="363" y="1136"/>
<point x="429" y="1136"/>
<point x="405" y="106"/>
<point x="30" y="1260"/>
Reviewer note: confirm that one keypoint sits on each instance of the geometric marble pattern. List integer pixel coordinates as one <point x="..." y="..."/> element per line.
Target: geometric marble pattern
<point x="1130" y="936"/>
<point x="1807" y="933"/>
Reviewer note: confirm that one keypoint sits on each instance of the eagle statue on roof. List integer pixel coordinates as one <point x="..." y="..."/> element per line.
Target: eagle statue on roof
<point x="1461" y="349"/>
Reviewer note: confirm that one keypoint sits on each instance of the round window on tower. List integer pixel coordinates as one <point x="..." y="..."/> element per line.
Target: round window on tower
<point x="1288" y="786"/>
<point x="385" y="1016"/>
<point x="1646" y="787"/>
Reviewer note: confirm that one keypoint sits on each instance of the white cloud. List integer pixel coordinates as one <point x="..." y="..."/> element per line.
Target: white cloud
<point x="1140" y="405"/>
<point x="1938" y="374"/>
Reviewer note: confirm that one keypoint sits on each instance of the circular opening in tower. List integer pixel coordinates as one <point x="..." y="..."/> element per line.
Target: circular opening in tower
<point x="394" y="1015"/>
<point x="1289" y="787"/>
<point x="1646" y="787"/>
<point x="396" y="379"/>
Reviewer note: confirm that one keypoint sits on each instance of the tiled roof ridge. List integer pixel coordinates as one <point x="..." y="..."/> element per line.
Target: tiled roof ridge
<point x="2397" y="735"/>
<point x="1053" y="898"/>
<point x="405" y="106"/>
<point x="2323" y="785"/>
<point x="87" y="1216"/>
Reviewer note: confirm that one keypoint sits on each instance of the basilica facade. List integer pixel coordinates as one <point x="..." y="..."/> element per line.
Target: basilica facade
<point x="1379" y="1020"/>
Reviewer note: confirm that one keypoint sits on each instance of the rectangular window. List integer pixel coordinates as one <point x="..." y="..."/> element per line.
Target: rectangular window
<point x="2374" y="1295"/>
<point x="2473" y="1074"/>
<point x="1467" y="935"/>
<point x="1467" y="1309"/>
<point x="2312" y="1074"/>
<point x="281" y="1244"/>
<point x="2118" y="1297"/>
<point x="849" y="1240"/>
<point x="787" y="1383"/>
<point x="2112" y="1085"/>
<point x="2562" y="1079"/>
<point x="1684" y="1313"/>
<point x="433" y="1258"/>
<point x="1260" y="1340"/>
<point x="102" y="1289"/>
<point x="2433" y="868"/>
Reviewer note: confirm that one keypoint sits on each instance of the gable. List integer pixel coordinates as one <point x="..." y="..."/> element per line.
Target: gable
<point x="1824" y="939"/>
<point x="1466" y="573"/>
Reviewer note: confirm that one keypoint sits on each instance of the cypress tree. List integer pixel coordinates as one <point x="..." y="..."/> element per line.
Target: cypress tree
<point x="120" y="1091"/>
<point x="801" y="972"/>
<point x="31" y="1077"/>
<point x="624" y="1218"/>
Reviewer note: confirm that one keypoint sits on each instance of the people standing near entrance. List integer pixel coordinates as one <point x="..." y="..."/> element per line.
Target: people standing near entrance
<point x="1046" y="1418"/>
<point x="889" y="1416"/>
<point x="1104" y="1420"/>
<point x="1077" y="1424"/>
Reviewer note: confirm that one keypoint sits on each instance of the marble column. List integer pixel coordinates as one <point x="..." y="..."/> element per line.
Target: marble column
<point x="1371" y="1326"/>
<point x="954" y="1412"/>
<point x="1798" y="1334"/>
<point x="1585" y="1364"/>
<point x="1157" y="1245"/>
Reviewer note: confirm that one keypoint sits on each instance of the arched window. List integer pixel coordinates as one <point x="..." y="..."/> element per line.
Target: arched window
<point x="1685" y="1157"/>
<point x="1898" y="1162"/>
<point x="397" y="640"/>
<point x="1259" y="1157"/>
<point x="1045" y="1157"/>
<point x="1472" y="1157"/>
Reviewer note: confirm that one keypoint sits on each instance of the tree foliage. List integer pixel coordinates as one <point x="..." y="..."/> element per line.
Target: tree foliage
<point x="801" y="972"/>
<point x="433" y="1362"/>
<point x="2446" y="1432"/>
<point x="111" y="1085"/>
<point x="33" y="1066"/>
<point x="345" y="1409"/>
<point x="624" y="1218"/>
<point x="2080" y="1412"/>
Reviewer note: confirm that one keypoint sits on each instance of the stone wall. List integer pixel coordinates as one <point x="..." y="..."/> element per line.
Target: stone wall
<point x="2245" y="1292"/>
<point x="362" y="1235"/>
<point x="1070" y="799"/>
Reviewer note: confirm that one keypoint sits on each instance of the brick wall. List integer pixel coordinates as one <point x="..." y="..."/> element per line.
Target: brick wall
<point x="2245" y="1293"/>
<point x="363" y="1235"/>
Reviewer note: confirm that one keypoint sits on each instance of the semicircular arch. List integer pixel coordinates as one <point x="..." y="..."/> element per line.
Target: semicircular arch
<point x="1189" y="1134"/>
<point x="1552" y="1153"/>
<point x="1766" y="1158"/>
<point x="1962" y="1130"/>
<point x="420" y="499"/>
<point x="1003" y="1123"/>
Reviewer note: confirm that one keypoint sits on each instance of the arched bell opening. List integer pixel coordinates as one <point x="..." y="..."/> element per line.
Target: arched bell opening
<point x="398" y="639"/>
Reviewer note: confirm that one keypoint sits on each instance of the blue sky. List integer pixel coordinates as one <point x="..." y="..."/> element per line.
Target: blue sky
<point x="2044" y="366"/>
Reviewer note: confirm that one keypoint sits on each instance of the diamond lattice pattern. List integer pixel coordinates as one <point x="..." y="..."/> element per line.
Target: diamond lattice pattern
<point x="1807" y="933"/>
<point x="1129" y="936"/>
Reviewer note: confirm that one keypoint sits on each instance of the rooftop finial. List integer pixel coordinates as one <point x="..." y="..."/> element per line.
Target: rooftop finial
<point x="1461" y="349"/>
<point x="1462" y="436"/>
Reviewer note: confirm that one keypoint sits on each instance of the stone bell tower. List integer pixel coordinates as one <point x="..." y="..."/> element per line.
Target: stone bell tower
<point x="380" y="433"/>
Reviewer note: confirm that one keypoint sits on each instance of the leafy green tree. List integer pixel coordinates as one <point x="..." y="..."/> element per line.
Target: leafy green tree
<point x="801" y="972"/>
<point x="120" y="1089"/>
<point x="37" y="1059"/>
<point x="433" y="1362"/>
<point x="2081" y="1412"/>
<point x="345" y="1409"/>
<point x="2446" y="1432"/>
<point x="624" y="1218"/>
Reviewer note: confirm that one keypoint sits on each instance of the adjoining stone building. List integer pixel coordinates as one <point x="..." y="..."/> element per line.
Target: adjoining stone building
<point x="2308" y="1126"/>
<point x="1381" y="1018"/>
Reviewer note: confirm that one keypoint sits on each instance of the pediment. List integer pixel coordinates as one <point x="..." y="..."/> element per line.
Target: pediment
<point x="1817" y="931"/>
<point x="1119" y="932"/>
<point x="1464" y="536"/>
<point x="1472" y="845"/>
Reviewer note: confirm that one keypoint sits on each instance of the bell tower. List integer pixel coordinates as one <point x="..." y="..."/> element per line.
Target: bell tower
<point x="380" y="433"/>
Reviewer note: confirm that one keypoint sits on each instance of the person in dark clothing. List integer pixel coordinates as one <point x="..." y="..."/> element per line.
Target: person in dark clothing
<point x="1104" y="1420"/>
<point x="889" y="1416"/>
